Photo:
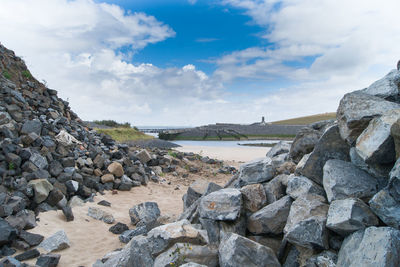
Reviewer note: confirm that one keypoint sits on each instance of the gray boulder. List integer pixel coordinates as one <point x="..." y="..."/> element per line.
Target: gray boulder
<point x="236" y="250"/>
<point x="32" y="126"/>
<point x="303" y="143"/>
<point x="254" y="197"/>
<point x="48" y="260"/>
<point x="257" y="171"/>
<point x="343" y="180"/>
<point x="395" y="133"/>
<point x="375" y="144"/>
<point x="330" y="146"/>
<point x="39" y="161"/>
<point x="356" y="110"/>
<point x="386" y="207"/>
<point x="371" y="247"/>
<point x="42" y="188"/>
<point x="146" y="212"/>
<point x="55" y="242"/>
<point x="387" y="87"/>
<point x="275" y="188"/>
<point x="7" y="232"/>
<point x="281" y="147"/>
<point x="300" y="186"/>
<point x="195" y="191"/>
<point x="143" y="156"/>
<point x="224" y="204"/>
<point x="349" y="215"/>
<point x="271" y="219"/>
<point x="306" y="222"/>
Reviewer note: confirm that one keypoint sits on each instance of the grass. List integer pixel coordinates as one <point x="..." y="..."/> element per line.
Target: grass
<point x="125" y="134"/>
<point x="6" y="74"/>
<point x="307" y="119"/>
<point x="27" y="74"/>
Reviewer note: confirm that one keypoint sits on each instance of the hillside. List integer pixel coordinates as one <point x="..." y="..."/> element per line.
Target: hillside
<point x="307" y="119"/>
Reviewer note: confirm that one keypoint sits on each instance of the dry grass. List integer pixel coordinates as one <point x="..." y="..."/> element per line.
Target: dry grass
<point x="307" y="119"/>
<point x="125" y="134"/>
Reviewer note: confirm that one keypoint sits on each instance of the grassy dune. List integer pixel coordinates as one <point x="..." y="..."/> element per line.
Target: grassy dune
<point x="125" y="134"/>
<point x="307" y="119"/>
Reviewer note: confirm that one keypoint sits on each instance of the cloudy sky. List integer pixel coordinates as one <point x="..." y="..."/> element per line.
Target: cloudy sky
<point x="188" y="62"/>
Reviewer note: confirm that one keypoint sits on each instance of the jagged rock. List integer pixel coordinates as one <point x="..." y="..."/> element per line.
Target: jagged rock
<point x="254" y="197"/>
<point x="118" y="228"/>
<point x="239" y="251"/>
<point x="349" y="215"/>
<point x="224" y="204"/>
<point x="116" y="169"/>
<point x="67" y="211"/>
<point x="127" y="235"/>
<point x="298" y="186"/>
<point x="30" y="238"/>
<point x="32" y="126"/>
<point x="395" y="133"/>
<point x="379" y="171"/>
<point x="184" y="253"/>
<point x="55" y="242"/>
<point x="371" y="247"/>
<point x="145" y="213"/>
<point x="355" y="111"/>
<point x="42" y="188"/>
<point x="343" y="180"/>
<point x="48" y="260"/>
<point x="274" y="242"/>
<point x="193" y="264"/>
<point x="27" y="255"/>
<point x="143" y="156"/>
<point x="281" y="147"/>
<point x="255" y="172"/>
<point x="386" y="207"/>
<point x="55" y="196"/>
<point x="275" y="188"/>
<point x="194" y="192"/>
<point x="39" y="161"/>
<point x="375" y="144"/>
<point x="126" y="183"/>
<point x="387" y="87"/>
<point x="101" y="215"/>
<point x="7" y="233"/>
<point x="271" y="219"/>
<point x="306" y="222"/>
<point x="303" y="143"/>
<point x="76" y="201"/>
<point x="107" y="178"/>
<point x="329" y="146"/>
<point x="326" y="258"/>
<point x="104" y="203"/>
<point x="24" y="219"/>
<point x="10" y="262"/>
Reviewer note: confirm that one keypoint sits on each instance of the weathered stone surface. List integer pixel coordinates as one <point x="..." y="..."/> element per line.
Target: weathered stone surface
<point x="27" y="255"/>
<point x="271" y="219"/>
<point x="146" y="212"/>
<point x="375" y="144"/>
<point x="395" y="133"/>
<point x="386" y="207"/>
<point x="239" y="251"/>
<point x="355" y="111"/>
<point x="24" y="219"/>
<point x="118" y="228"/>
<point x="30" y="238"/>
<point x="224" y="204"/>
<point x="107" y="178"/>
<point x="42" y="188"/>
<point x="143" y="156"/>
<point x="273" y="242"/>
<point x="387" y="87"/>
<point x="193" y="264"/>
<point x="306" y="222"/>
<point x="326" y="258"/>
<point x="281" y="147"/>
<point x="275" y="189"/>
<point x="127" y="235"/>
<point x="194" y="192"/>
<point x="10" y="262"/>
<point x="48" y="260"/>
<point x="7" y="233"/>
<point x="39" y="161"/>
<point x="303" y="143"/>
<point x="55" y="242"/>
<point x="380" y="171"/>
<point x="101" y="215"/>
<point x="32" y="126"/>
<point x="116" y="169"/>
<point x="255" y="172"/>
<point x="254" y="197"/>
<point x="300" y="186"/>
<point x="371" y="247"/>
<point x="184" y="253"/>
<point x="349" y="215"/>
<point x="343" y="180"/>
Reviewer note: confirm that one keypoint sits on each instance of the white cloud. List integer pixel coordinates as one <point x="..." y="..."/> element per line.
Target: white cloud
<point x="192" y="2"/>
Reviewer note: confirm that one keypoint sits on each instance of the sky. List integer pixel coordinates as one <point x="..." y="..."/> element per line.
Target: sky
<point x="197" y="62"/>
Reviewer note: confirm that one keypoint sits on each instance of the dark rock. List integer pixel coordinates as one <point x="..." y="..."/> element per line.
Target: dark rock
<point x="7" y="251"/>
<point x="32" y="126"/>
<point x="27" y="255"/>
<point x="118" y="228"/>
<point x="104" y="203"/>
<point x="303" y="143"/>
<point x="30" y="238"/>
<point x="224" y="204"/>
<point x="254" y="197"/>
<point x="300" y="186"/>
<point x="127" y="235"/>
<point x="48" y="260"/>
<point x="10" y="262"/>
<point x="275" y="189"/>
<point x="386" y="88"/>
<point x="67" y="211"/>
<point x="146" y="212"/>
<point x="7" y="233"/>
<point x="281" y="147"/>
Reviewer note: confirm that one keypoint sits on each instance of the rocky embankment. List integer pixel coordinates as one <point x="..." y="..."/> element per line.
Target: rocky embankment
<point x="329" y="199"/>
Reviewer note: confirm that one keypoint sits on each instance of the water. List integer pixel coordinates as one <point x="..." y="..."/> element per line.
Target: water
<point x="223" y="143"/>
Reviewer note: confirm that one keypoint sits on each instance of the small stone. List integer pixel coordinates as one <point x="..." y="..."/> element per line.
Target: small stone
<point x="30" y="238"/>
<point x="118" y="228"/>
<point x="57" y="241"/>
<point x="48" y="260"/>
<point x="116" y="169"/>
<point x="104" y="203"/>
<point x="143" y="156"/>
<point x="146" y="212"/>
<point x="27" y="255"/>
<point x="107" y="178"/>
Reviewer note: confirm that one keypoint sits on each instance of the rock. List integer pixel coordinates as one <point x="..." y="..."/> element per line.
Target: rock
<point x="126" y="183"/>
<point x="303" y="143"/>
<point x="116" y="169"/>
<point x="300" y="186"/>
<point x="343" y="180"/>
<point x="281" y="147"/>
<point x="7" y="233"/>
<point x="104" y="203"/>
<point x="127" y="235"/>
<point x="56" y="242"/>
<point x="371" y="247"/>
<point x="27" y="255"/>
<point x="146" y="212"/>
<point x="386" y="88"/>
<point x="55" y="196"/>
<point x="239" y="251"/>
<point x="386" y="207"/>
<point x="355" y="112"/>
<point x="30" y="238"/>
<point x="107" y="178"/>
<point x="194" y="192"/>
<point x="255" y="172"/>
<point x="395" y="133"/>
<point x="32" y="126"/>
<point x="39" y="161"/>
<point x="67" y="211"/>
<point x="275" y="189"/>
<point x="118" y="228"/>
<point x="100" y="215"/>
<point x="10" y="262"/>
<point x="76" y="201"/>
<point x="326" y="258"/>
<point x="99" y="161"/>
<point x="271" y="219"/>
<point x="224" y="204"/>
<point x="42" y="188"/>
<point x="24" y="219"/>
<point x="193" y="264"/>
<point x="254" y="197"/>
<point x="48" y="260"/>
<point x="330" y="146"/>
<point x="143" y="156"/>
<point x="375" y="144"/>
<point x="55" y="168"/>
<point x="306" y="222"/>
<point x="349" y="215"/>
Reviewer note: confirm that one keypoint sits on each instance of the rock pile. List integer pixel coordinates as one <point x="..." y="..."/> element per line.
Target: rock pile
<point x="332" y="198"/>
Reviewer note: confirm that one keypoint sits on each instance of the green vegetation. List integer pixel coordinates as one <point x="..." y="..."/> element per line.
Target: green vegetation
<point x="307" y="119"/>
<point x="125" y="134"/>
<point x="6" y="74"/>
<point x="230" y="138"/>
<point x="173" y="153"/>
<point x="114" y="124"/>
<point x="11" y="166"/>
<point x="178" y="258"/>
<point x="26" y="74"/>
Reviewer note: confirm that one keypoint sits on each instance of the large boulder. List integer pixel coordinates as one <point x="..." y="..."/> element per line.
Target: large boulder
<point x="395" y="133"/>
<point x="197" y="189"/>
<point x="356" y="110"/>
<point x="387" y="87"/>
<point x="275" y="188"/>
<point x="281" y="147"/>
<point x="32" y="126"/>
<point x="42" y="188"/>
<point x="298" y="186"/>
<point x="306" y="222"/>
<point x="225" y="204"/>
<point x="386" y="207"/>
<point x="144" y="213"/>
<point x="116" y="169"/>
<point x="254" y="197"/>
<point x="257" y="171"/>
<point x="303" y="143"/>
<point x="346" y="216"/>
<point x="329" y="146"/>
<point x="7" y="232"/>
<point x="343" y="180"/>
<point x="371" y="247"/>
<point x="238" y="251"/>
<point x="271" y="219"/>
<point x="375" y="144"/>
<point x="55" y="242"/>
<point x="143" y="156"/>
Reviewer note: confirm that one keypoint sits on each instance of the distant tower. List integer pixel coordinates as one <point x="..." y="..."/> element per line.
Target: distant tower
<point x="263" y="120"/>
<point x="398" y="65"/>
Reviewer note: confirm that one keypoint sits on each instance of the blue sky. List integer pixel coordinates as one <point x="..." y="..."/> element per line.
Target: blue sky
<point x="194" y="62"/>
